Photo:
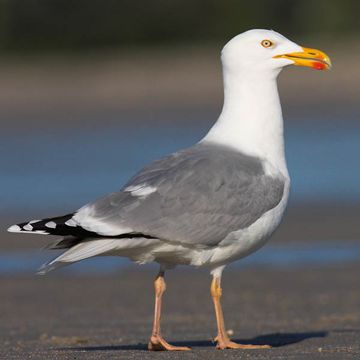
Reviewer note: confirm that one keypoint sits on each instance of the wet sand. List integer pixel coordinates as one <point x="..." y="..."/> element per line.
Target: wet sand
<point x="305" y="313"/>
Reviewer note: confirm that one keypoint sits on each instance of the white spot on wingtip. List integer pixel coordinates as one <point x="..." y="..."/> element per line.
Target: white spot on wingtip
<point x="27" y="227"/>
<point x="51" y="224"/>
<point x="33" y="221"/>
<point x="71" y="222"/>
<point x="14" y="228"/>
<point x="18" y="229"/>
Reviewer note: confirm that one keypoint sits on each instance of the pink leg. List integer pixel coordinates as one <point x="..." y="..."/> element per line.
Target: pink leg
<point x="222" y="338"/>
<point x="157" y="342"/>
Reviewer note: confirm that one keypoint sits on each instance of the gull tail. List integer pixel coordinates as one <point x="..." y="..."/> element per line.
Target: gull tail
<point x="79" y="242"/>
<point x="80" y="249"/>
<point x="61" y="226"/>
<point x="79" y="252"/>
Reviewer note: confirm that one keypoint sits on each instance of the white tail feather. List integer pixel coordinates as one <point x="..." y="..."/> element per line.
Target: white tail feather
<point x="79" y="252"/>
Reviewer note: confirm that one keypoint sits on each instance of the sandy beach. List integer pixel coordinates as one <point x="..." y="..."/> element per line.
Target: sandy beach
<point x="305" y="313"/>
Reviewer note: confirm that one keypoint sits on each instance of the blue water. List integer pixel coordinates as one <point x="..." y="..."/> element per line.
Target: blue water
<point x="318" y="254"/>
<point x="61" y="169"/>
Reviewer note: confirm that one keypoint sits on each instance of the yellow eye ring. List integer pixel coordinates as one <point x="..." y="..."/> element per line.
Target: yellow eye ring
<point x="267" y="43"/>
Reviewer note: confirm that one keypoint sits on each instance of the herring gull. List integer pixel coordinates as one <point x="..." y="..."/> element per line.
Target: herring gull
<point x="210" y="204"/>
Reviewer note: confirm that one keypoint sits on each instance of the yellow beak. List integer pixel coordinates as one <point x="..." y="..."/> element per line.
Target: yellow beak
<point x="309" y="57"/>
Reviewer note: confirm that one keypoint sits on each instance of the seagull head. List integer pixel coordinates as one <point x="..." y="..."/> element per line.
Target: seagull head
<point x="268" y="51"/>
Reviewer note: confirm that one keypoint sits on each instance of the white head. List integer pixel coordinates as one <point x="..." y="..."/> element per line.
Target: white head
<point x="266" y="51"/>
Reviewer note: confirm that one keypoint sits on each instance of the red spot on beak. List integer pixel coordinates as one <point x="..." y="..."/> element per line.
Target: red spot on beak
<point x="318" y="65"/>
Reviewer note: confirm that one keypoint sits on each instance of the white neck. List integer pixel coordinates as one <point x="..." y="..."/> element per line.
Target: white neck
<point x="251" y="118"/>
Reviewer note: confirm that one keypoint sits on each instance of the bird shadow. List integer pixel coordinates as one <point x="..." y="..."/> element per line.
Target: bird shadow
<point x="274" y="340"/>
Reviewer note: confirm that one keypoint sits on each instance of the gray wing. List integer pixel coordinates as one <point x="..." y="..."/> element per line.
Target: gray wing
<point x="195" y="196"/>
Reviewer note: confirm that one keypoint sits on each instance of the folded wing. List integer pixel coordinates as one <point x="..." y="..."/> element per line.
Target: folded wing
<point x="195" y="197"/>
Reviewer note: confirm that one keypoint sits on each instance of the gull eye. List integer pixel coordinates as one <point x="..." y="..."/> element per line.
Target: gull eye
<point x="267" y="43"/>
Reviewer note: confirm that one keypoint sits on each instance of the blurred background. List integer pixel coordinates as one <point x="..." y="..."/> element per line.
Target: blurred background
<point x="90" y="91"/>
